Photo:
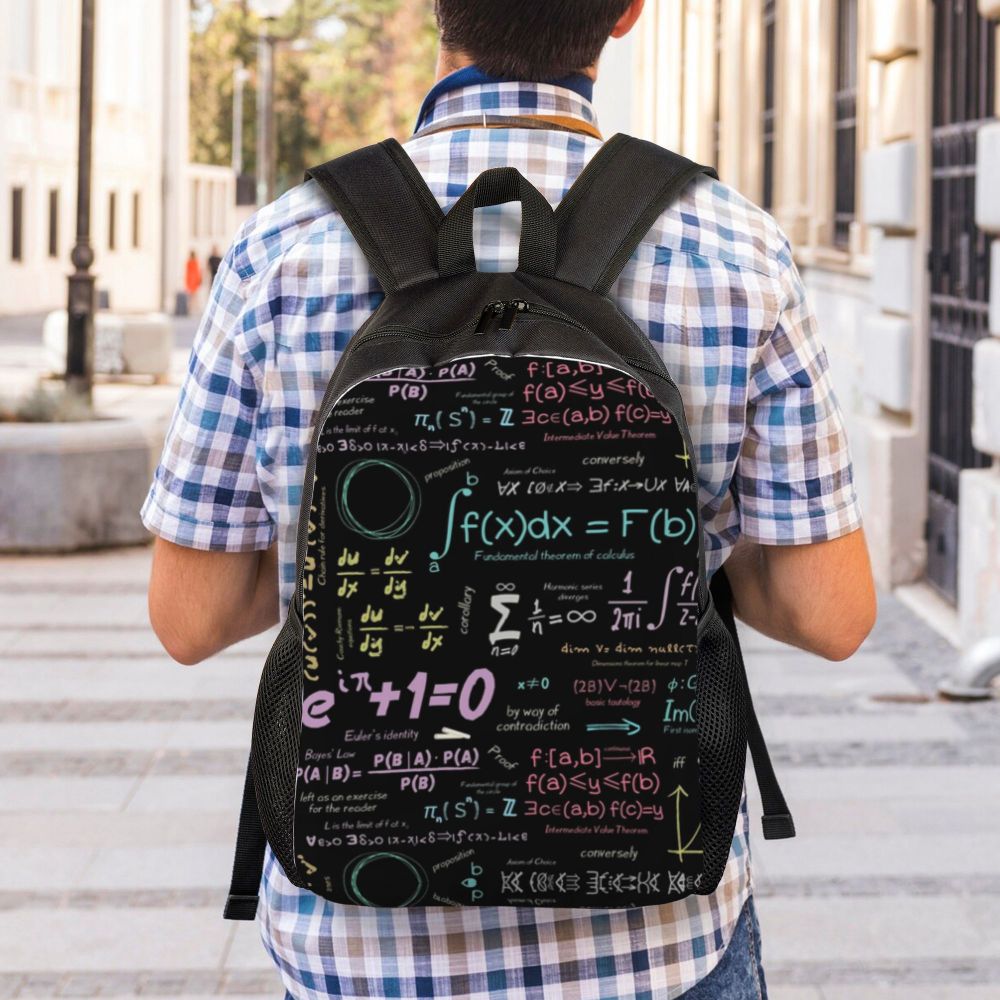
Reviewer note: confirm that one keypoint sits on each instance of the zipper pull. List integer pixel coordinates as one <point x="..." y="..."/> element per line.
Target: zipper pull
<point x="490" y="312"/>
<point x="510" y="312"/>
<point x="508" y="316"/>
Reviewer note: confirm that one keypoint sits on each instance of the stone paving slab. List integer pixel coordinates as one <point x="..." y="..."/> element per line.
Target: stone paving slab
<point x="927" y="974"/>
<point x="931" y="723"/>
<point x="874" y="992"/>
<point x="965" y="786"/>
<point x="812" y="854"/>
<point x="275" y="993"/>
<point x="70" y="940"/>
<point x="844" y="816"/>
<point x="54" y="830"/>
<point x="100" y="710"/>
<point x="159" y="794"/>
<point x="901" y="928"/>
<point x="175" y="867"/>
<point x="43" y="868"/>
<point x="19" y="611"/>
<point x="144" y="983"/>
<point x="72" y="795"/>
<point x="793" y="673"/>
<point x="78" y="644"/>
<point x="36" y="678"/>
<point x="83" y="736"/>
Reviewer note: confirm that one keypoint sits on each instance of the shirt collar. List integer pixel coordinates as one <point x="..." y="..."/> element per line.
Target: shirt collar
<point x="469" y="92"/>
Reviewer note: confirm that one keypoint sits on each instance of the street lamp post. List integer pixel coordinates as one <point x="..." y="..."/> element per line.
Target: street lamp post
<point x="80" y="304"/>
<point x="267" y="11"/>
<point x="265" y="114"/>
<point x="239" y="79"/>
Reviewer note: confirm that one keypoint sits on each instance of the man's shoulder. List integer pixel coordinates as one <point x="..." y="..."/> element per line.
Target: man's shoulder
<point x="710" y="220"/>
<point x="714" y="221"/>
<point x="301" y="217"/>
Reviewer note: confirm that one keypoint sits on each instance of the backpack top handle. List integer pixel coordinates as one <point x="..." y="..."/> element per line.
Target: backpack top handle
<point x="539" y="239"/>
<point x="586" y="240"/>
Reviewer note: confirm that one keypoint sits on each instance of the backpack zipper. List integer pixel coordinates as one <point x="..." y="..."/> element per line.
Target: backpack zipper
<point x="501" y="313"/>
<point x="504" y="312"/>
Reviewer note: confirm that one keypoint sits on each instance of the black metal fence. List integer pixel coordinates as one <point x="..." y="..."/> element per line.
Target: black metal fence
<point x="845" y="117"/>
<point x="964" y="89"/>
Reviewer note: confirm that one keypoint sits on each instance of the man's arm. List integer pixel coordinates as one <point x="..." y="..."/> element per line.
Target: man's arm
<point x="200" y="602"/>
<point x="819" y="597"/>
<point x="214" y="577"/>
<point x="800" y="571"/>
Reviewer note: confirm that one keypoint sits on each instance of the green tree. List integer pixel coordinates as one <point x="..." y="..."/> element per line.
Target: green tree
<point x="349" y="72"/>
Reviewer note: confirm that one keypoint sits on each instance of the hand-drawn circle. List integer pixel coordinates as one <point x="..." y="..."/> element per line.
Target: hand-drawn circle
<point x="383" y="480"/>
<point x="385" y="878"/>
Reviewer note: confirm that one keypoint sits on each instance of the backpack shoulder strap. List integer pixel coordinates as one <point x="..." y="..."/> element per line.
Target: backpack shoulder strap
<point x="611" y="206"/>
<point x="389" y="209"/>
<point x="248" y="862"/>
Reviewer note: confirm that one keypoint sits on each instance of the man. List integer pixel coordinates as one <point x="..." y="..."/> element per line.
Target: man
<point x="715" y="288"/>
<point x="214" y="261"/>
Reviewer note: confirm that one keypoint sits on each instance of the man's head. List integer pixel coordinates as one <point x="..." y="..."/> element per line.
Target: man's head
<point x="530" y="39"/>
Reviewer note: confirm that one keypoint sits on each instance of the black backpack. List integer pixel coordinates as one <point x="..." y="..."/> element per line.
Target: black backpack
<point x="502" y="679"/>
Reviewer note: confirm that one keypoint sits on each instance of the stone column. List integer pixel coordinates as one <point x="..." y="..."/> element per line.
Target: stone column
<point x="892" y="445"/>
<point x="742" y="96"/>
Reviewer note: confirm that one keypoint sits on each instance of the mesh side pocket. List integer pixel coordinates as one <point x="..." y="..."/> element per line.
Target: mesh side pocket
<point x="722" y="743"/>
<point x="275" y="742"/>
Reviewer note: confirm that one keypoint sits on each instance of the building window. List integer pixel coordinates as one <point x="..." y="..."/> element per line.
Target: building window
<point x="53" y="222"/>
<point x="136" y="220"/>
<point x="845" y="117"/>
<point x="17" y="223"/>
<point x="768" y="115"/>
<point x="112" y="218"/>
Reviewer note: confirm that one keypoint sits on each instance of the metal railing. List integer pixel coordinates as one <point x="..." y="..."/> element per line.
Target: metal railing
<point x="959" y="263"/>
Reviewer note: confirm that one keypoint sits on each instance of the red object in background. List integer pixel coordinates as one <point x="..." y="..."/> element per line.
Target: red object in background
<point x="192" y="275"/>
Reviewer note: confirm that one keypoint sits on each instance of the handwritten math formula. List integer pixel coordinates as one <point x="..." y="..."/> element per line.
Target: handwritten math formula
<point x="500" y="619"/>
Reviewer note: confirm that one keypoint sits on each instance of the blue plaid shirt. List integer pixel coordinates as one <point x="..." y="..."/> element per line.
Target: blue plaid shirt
<point x="715" y="288"/>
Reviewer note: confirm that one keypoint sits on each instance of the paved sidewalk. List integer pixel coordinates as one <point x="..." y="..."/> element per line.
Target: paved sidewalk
<point x="120" y="779"/>
<point x="23" y="362"/>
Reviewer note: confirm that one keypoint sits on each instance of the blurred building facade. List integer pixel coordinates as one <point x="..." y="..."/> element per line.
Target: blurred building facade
<point x="869" y="129"/>
<point x="149" y="206"/>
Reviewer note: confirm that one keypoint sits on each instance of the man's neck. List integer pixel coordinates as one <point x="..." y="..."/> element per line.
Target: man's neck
<point x="449" y="62"/>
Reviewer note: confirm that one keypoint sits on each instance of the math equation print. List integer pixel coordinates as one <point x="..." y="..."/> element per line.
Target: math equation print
<point x="500" y="638"/>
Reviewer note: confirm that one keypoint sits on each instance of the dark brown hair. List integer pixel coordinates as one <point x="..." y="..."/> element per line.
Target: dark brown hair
<point x="528" y="39"/>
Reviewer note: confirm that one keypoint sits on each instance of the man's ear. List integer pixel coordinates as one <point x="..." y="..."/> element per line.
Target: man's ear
<point x="624" y="24"/>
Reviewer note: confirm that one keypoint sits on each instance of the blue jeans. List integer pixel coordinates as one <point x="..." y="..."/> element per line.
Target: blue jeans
<point x="739" y="974"/>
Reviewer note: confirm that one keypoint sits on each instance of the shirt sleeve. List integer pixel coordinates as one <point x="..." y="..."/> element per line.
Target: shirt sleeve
<point x="205" y="492"/>
<point x="794" y="482"/>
